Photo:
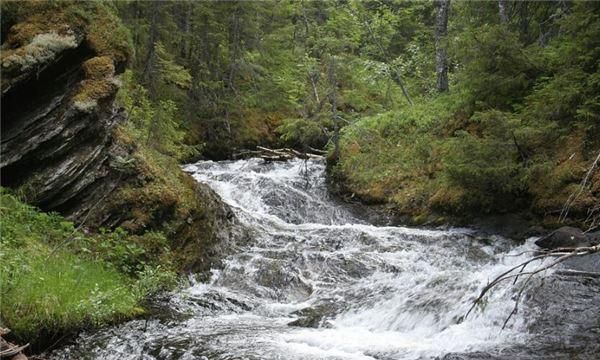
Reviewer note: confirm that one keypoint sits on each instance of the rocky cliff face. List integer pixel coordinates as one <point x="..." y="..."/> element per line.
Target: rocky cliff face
<point x="59" y="150"/>
<point x="60" y="144"/>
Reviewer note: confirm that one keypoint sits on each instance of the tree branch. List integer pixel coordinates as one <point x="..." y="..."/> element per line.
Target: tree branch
<point x="561" y="254"/>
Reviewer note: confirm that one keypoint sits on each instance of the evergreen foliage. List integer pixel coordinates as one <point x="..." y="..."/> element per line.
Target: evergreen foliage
<point x="523" y="93"/>
<point x="517" y="130"/>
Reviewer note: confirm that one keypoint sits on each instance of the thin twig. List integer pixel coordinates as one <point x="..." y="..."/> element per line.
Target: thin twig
<point x="567" y="206"/>
<point x="561" y="254"/>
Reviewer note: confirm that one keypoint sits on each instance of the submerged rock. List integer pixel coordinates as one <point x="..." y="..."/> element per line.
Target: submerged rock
<point x="567" y="236"/>
<point x="314" y="316"/>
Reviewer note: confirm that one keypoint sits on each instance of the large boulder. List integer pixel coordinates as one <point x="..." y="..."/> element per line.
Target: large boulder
<point x="568" y="237"/>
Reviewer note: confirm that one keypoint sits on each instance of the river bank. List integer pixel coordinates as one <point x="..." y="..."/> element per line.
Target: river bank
<point x="514" y="225"/>
<point x="95" y="218"/>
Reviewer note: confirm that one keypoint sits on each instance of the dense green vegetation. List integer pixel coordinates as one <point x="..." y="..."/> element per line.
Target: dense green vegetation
<point x="516" y="131"/>
<point x="261" y="72"/>
<point x="56" y="279"/>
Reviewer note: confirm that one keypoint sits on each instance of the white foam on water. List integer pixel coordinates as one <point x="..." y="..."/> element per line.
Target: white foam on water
<point x="375" y="292"/>
<point x="430" y="291"/>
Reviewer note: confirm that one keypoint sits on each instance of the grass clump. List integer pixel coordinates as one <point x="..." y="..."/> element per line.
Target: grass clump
<point x="64" y="292"/>
<point x="56" y="279"/>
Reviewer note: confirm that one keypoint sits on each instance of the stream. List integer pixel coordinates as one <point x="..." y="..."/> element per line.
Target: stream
<point x="312" y="280"/>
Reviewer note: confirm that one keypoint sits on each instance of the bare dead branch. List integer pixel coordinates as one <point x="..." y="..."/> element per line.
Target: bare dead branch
<point x="8" y="349"/>
<point x="571" y="200"/>
<point x="282" y="154"/>
<point x="559" y="254"/>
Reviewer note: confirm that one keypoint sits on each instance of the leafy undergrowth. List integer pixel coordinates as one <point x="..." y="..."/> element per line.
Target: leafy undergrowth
<point x="419" y="163"/>
<point x="56" y="279"/>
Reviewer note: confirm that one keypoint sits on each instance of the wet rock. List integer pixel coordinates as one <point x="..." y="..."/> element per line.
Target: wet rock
<point x="565" y="236"/>
<point x="57" y="152"/>
<point x="593" y="237"/>
<point x="286" y="281"/>
<point x="315" y="316"/>
<point x="585" y="264"/>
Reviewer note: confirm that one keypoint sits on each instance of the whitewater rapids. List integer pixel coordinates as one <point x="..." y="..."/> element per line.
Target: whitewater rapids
<point x="312" y="280"/>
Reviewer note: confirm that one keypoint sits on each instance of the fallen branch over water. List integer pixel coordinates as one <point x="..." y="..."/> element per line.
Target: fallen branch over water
<point x="559" y="255"/>
<point x="282" y="154"/>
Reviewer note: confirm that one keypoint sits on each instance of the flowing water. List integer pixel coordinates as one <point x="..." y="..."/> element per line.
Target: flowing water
<point x="312" y="280"/>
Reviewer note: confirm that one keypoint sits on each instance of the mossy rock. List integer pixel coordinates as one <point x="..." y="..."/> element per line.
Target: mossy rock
<point x="95" y="20"/>
<point x="95" y="89"/>
<point x="99" y="67"/>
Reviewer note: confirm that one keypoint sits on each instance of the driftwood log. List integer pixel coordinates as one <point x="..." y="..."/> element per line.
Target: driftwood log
<point x="282" y="154"/>
<point x="9" y="350"/>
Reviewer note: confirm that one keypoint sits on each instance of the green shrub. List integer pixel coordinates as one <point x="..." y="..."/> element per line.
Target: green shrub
<point x="486" y="162"/>
<point x="299" y="132"/>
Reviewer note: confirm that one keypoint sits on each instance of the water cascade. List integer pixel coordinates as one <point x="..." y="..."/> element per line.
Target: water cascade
<point x="314" y="281"/>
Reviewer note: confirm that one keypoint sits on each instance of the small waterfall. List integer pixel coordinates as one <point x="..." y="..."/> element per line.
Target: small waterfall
<point x="317" y="282"/>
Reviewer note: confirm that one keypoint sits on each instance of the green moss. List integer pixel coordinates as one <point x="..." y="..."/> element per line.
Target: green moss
<point x="94" y="90"/>
<point x="97" y="20"/>
<point x="98" y="67"/>
<point x="166" y="192"/>
<point x="106" y="35"/>
<point x="99" y="82"/>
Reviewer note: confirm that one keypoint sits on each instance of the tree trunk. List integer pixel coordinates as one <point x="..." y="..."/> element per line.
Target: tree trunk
<point x="502" y="11"/>
<point x="441" y="54"/>
<point x="235" y="45"/>
<point x="524" y="21"/>
<point x="187" y="31"/>
<point x="333" y="99"/>
<point x="148" y="73"/>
